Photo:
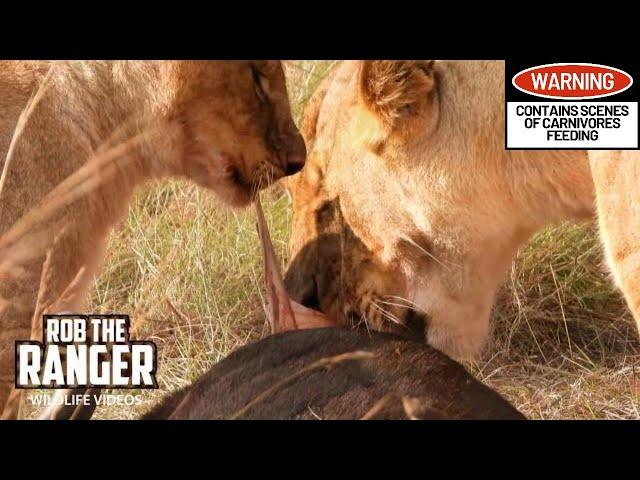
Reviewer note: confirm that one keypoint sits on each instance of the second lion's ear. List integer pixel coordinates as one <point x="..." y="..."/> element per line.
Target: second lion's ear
<point x="394" y="89"/>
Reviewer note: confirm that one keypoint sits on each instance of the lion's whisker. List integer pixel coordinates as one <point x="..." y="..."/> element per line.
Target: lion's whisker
<point x="410" y="304"/>
<point x="386" y="313"/>
<point x="392" y="304"/>
<point x="412" y="242"/>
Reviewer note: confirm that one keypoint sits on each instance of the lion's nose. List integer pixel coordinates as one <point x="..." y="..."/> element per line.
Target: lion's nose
<point x="296" y="156"/>
<point x="311" y="298"/>
<point x="293" y="167"/>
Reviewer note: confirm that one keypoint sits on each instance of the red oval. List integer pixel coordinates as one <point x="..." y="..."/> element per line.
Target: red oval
<point x="572" y="80"/>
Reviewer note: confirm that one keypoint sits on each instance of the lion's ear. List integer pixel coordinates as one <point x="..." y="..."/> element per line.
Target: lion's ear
<point x="396" y="89"/>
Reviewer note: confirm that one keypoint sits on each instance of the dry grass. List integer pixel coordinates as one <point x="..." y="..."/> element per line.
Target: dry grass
<point x="564" y="344"/>
<point x="188" y="271"/>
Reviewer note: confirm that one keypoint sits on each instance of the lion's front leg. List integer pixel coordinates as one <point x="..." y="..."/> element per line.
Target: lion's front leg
<point x="64" y="278"/>
<point x="18" y="293"/>
<point x="616" y="176"/>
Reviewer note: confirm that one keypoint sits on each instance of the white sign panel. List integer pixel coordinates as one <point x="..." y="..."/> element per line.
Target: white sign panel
<point x="573" y="125"/>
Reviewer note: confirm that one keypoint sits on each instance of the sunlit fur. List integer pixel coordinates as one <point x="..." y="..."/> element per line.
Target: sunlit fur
<point x="436" y="201"/>
<point x="96" y="130"/>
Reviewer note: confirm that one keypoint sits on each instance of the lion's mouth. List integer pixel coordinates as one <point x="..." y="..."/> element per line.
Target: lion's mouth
<point x="250" y="186"/>
<point x="412" y="324"/>
<point x="245" y="189"/>
<point x="239" y="180"/>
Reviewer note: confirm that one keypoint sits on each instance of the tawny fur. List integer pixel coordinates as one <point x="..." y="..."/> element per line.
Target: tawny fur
<point x="616" y="176"/>
<point x="100" y="129"/>
<point x="437" y="204"/>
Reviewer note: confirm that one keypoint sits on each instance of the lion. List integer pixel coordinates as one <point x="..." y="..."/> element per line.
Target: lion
<point x="432" y="208"/>
<point x="77" y="137"/>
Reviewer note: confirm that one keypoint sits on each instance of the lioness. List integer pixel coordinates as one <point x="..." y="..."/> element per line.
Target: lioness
<point x="94" y="131"/>
<point x="412" y="154"/>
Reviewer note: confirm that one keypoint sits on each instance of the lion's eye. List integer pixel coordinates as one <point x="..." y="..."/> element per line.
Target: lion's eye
<point x="259" y="82"/>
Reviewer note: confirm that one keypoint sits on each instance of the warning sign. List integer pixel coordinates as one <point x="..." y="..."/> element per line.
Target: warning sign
<point x="571" y="118"/>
